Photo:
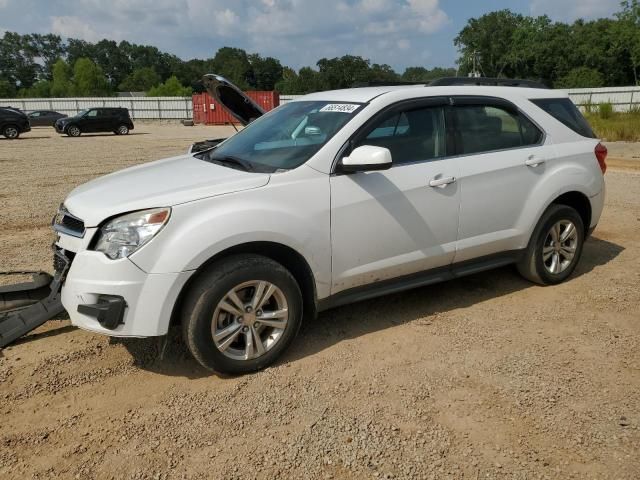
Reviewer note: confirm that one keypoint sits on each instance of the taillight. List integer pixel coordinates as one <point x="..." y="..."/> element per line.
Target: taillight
<point x="601" y="155"/>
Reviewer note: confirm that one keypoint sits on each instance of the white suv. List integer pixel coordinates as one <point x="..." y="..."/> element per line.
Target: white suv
<point x="333" y="198"/>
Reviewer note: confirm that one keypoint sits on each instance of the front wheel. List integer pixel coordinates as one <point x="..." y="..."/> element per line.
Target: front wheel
<point x="555" y="246"/>
<point x="73" y="131"/>
<point x="11" y="132"/>
<point x="241" y="314"/>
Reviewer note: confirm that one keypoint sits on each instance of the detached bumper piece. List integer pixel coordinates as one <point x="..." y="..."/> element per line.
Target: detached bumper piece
<point x="25" y="315"/>
<point x="26" y="306"/>
<point x="109" y="311"/>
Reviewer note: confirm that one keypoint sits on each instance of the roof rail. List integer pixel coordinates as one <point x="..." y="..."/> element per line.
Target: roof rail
<point x="485" y="81"/>
<point x="383" y="83"/>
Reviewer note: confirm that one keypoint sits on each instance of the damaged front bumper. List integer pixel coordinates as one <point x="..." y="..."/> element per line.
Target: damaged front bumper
<point x="23" y="306"/>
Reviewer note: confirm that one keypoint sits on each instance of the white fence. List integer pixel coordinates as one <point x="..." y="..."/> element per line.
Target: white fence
<point x="139" y="107"/>
<point x="622" y="99"/>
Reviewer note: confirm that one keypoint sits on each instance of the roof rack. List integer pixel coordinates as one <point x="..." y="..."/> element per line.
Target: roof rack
<point x="485" y="81"/>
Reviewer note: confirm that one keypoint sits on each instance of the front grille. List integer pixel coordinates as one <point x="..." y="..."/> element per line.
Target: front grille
<point x="66" y="223"/>
<point x="59" y="262"/>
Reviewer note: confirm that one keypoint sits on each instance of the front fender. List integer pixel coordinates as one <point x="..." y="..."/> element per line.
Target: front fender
<point x="293" y="212"/>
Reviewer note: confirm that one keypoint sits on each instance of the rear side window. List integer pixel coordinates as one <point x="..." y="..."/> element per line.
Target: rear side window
<point x="563" y="110"/>
<point x="485" y="128"/>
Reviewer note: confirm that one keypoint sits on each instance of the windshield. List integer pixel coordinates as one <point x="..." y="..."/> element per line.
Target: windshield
<point x="284" y="138"/>
<point x="82" y="113"/>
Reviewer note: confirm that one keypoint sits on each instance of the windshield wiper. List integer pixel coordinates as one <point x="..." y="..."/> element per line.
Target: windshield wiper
<point x="233" y="162"/>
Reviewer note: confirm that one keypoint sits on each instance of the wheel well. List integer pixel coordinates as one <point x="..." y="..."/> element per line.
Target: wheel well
<point x="285" y="256"/>
<point x="580" y="203"/>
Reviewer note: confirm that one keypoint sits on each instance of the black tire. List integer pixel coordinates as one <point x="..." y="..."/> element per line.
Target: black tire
<point x="212" y="286"/>
<point x="122" y="130"/>
<point x="73" y="131"/>
<point x="11" y="132"/>
<point x="533" y="267"/>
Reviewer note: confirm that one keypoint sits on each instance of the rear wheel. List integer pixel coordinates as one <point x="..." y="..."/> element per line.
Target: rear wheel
<point x="11" y="132"/>
<point x="555" y="246"/>
<point x="241" y="314"/>
<point x="73" y="131"/>
<point x="122" y="130"/>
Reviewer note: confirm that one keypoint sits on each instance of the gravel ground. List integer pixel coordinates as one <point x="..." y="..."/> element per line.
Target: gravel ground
<point x="483" y="377"/>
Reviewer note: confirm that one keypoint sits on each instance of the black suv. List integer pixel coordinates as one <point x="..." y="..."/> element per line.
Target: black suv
<point x="103" y="119"/>
<point x="13" y="122"/>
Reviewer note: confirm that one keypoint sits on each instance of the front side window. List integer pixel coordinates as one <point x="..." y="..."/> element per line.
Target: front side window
<point x="484" y="128"/>
<point x="284" y="138"/>
<point x="412" y="135"/>
<point x="92" y="113"/>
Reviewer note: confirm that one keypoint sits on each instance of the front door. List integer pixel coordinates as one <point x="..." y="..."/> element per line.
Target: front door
<point x="91" y="122"/>
<point x="386" y="224"/>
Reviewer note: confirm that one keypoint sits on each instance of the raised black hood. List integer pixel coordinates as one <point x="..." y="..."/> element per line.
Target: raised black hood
<point x="232" y="99"/>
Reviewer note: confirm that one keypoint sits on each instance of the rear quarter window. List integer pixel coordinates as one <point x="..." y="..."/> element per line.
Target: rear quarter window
<point x="563" y="110"/>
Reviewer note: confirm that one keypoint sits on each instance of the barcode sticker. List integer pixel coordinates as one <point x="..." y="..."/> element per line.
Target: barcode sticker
<point x="340" y="107"/>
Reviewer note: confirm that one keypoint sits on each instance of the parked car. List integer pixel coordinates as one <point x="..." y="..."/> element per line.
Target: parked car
<point x="333" y="198"/>
<point x="44" y="118"/>
<point x="103" y="119"/>
<point x="13" y="122"/>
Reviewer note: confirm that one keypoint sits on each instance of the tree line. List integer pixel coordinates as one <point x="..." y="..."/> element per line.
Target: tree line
<point x="598" y="53"/>
<point x="603" y="52"/>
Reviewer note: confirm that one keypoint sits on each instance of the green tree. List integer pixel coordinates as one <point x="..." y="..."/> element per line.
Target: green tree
<point x="141" y="80"/>
<point x="171" y="88"/>
<point x="7" y="89"/>
<point x="628" y="32"/>
<point x="489" y="39"/>
<point x="40" y="89"/>
<point x="49" y="49"/>
<point x="343" y="72"/>
<point x="581" y="77"/>
<point x="421" y="74"/>
<point x="382" y="73"/>
<point x="233" y="64"/>
<point x="89" y="79"/>
<point x="61" y="85"/>
<point x="266" y="72"/>
<point x="17" y="60"/>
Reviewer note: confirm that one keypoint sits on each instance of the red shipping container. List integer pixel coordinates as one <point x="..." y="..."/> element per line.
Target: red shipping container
<point x="208" y="111"/>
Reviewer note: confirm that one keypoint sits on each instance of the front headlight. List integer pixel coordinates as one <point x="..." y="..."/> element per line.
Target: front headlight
<point x="122" y="236"/>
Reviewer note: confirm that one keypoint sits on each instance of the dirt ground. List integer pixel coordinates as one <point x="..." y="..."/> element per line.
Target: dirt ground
<point x="483" y="377"/>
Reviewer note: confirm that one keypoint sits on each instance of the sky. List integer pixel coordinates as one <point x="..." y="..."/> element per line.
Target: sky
<point x="400" y="33"/>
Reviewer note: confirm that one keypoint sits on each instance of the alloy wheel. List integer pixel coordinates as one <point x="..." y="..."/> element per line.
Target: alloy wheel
<point x="11" y="132"/>
<point x="559" y="247"/>
<point x="250" y="320"/>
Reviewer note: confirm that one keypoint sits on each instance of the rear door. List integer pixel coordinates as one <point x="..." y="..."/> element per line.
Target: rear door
<point x="502" y="158"/>
<point x="386" y="224"/>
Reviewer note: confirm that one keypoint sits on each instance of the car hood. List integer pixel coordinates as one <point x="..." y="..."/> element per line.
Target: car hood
<point x="163" y="183"/>
<point x="232" y="99"/>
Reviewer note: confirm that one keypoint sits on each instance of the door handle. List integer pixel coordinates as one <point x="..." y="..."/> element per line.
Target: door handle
<point x="441" y="182"/>
<point x="534" y="161"/>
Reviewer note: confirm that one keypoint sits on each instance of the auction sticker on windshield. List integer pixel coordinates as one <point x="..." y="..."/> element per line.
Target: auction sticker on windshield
<point x="340" y="107"/>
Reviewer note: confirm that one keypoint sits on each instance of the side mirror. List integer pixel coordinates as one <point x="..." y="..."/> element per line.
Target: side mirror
<point x="367" y="158"/>
<point x="312" y="130"/>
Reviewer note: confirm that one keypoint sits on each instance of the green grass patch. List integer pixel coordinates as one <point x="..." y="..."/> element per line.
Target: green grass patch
<point x="615" y="126"/>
